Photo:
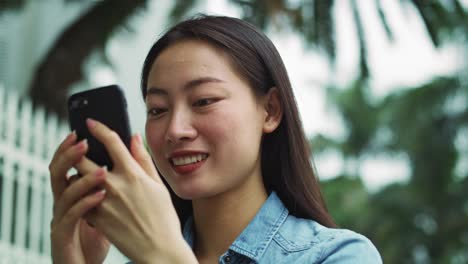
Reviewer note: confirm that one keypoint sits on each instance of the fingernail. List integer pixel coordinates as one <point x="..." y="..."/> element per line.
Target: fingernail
<point x="91" y="122"/>
<point x="82" y="144"/>
<point x="100" y="193"/>
<point x="71" y="135"/>
<point x="101" y="171"/>
<point x="139" y="139"/>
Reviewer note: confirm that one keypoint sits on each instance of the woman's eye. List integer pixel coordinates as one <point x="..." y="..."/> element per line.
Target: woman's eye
<point x="155" y="112"/>
<point x="203" y="102"/>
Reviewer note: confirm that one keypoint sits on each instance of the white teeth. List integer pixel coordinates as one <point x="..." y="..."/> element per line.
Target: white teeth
<point x="189" y="159"/>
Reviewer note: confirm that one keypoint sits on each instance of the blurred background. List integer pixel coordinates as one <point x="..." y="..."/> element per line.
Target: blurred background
<point x="382" y="87"/>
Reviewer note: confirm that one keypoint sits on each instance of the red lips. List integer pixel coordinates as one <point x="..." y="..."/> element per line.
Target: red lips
<point x="189" y="168"/>
<point x="187" y="161"/>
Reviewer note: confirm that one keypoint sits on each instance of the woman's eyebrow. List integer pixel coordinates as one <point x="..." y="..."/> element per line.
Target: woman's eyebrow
<point x="199" y="81"/>
<point x="188" y="86"/>
<point x="156" y="91"/>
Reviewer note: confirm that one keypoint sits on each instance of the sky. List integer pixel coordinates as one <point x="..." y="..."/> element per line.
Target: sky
<point x="408" y="61"/>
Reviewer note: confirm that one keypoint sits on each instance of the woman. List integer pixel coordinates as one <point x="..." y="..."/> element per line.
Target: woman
<point x="225" y="135"/>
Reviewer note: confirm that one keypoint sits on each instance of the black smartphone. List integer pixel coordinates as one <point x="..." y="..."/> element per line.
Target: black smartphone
<point x="106" y="105"/>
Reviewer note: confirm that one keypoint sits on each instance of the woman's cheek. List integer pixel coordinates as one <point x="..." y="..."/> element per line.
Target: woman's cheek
<point x="219" y="127"/>
<point x="154" y="139"/>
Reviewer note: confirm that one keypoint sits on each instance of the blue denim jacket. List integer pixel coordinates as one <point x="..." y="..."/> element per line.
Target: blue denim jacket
<point x="275" y="236"/>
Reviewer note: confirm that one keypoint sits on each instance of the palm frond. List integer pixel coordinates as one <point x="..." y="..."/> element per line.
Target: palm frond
<point x="88" y="33"/>
<point x="363" y="64"/>
<point x="180" y="9"/>
<point x="11" y="5"/>
<point x="383" y="19"/>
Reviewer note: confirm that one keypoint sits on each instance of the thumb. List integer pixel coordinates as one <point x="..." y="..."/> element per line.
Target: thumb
<point x="143" y="158"/>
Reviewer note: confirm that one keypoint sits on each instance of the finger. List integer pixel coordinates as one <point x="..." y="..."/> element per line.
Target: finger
<point x="72" y="179"/>
<point x="85" y="166"/>
<point x="79" y="209"/>
<point x="66" y="143"/>
<point x="59" y="167"/>
<point x="69" y="140"/>
<point x="142" y="157"/>
<point x="79" y="189"/>
<point x="112" y="142"/>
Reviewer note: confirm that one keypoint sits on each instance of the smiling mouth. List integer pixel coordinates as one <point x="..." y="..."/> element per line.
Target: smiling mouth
<point x="188" y="164"/>
<point x="187" y="160"/>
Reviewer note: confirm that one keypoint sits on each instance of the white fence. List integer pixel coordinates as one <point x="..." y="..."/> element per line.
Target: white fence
<point x="28" y="139"/>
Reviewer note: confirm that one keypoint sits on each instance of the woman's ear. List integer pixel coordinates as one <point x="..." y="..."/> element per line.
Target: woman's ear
<point x="273" y="110"/>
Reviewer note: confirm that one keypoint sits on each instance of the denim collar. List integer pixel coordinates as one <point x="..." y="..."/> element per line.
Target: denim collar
<point x="256" y="237"/>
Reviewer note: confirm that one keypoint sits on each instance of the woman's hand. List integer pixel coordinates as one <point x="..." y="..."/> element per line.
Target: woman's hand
<point x="73" y="240"/>
<point x="137" y="214"/>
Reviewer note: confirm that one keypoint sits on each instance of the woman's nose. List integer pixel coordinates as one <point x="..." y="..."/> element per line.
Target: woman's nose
<point x="180" y="128"/>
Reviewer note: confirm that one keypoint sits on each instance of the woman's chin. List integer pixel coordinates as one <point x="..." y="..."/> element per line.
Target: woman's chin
<point x="193" y="193"/>
<point x="189" y="193"/>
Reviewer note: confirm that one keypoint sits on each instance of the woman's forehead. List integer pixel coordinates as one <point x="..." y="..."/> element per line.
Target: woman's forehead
<point x="191" y="50"/>
<point x="190" y="56"/>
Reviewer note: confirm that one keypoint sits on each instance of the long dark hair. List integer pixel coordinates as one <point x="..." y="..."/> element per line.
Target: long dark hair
<point x="286" y="160"/>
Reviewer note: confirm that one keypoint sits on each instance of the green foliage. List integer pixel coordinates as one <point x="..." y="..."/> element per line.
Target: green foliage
<point x="347" y="200"/>
<point x="11" y="5"/>
<point x="320" y="143"/>
<point x="442" y="19"/>
<point x="180" y="9"/>
<point x="383" y="19"/>
<point x="428" y="214"/>
<point x="424" y="129"/>
<point x="88" y="34"/>
<point x="359" y="116"/>
<point x="312" y="20"/>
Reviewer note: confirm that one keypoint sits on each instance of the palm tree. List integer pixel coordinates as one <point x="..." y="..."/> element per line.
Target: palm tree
<point x="313" y="20"/>
<point x="424" y="216"/>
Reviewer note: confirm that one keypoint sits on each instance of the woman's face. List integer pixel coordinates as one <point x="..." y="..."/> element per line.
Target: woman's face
<point x="204" y="124"/>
